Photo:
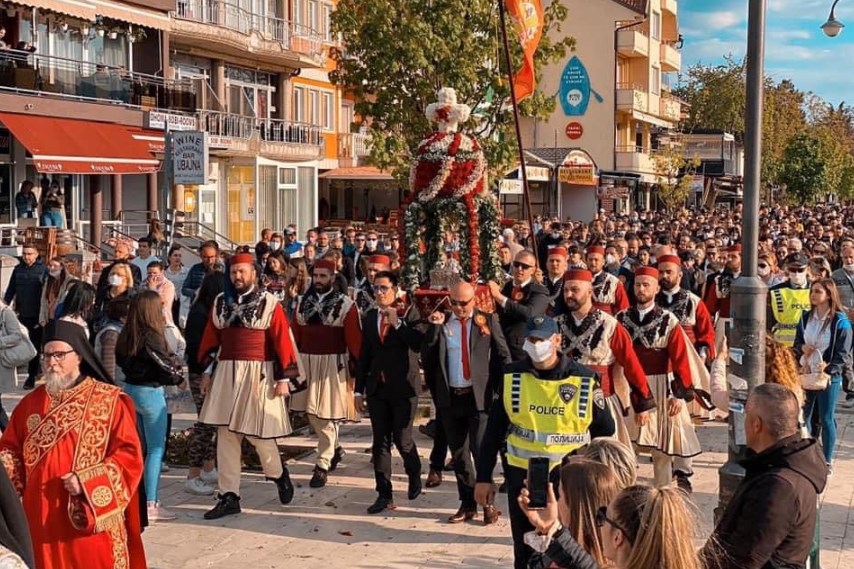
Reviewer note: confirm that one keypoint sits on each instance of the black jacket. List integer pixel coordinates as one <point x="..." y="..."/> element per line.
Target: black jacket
<point x="515" y="313"/>
<point x="25" y="287"/>
<point x="563" y="552"/>
<point x="147" y="367"/>
<point x="769" y="522"/>
<point x="384" y="366"/>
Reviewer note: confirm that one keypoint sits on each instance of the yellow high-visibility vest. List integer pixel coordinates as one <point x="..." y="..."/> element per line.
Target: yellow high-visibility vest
<point x="787" y="306"/>
<point x="548" y="418"/>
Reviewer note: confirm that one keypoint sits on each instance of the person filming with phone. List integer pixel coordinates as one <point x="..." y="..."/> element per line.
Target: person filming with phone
<point x="547" y="406"/>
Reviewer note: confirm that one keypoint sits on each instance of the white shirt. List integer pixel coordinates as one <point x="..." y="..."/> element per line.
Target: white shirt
<point x="817" y="331"/>
<point x="642" y="312"/>
<point x="671" y="293"/>
<point x="142" y="264"/>
<point x="523" y="285"/>
<point x="453" y="335"/>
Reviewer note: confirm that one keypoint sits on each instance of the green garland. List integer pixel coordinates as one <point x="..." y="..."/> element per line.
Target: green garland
<point x="413" y="217"/>
<point x="489" y="232"/>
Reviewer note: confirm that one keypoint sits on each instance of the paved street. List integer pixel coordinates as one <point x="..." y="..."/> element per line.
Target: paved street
<point x="329" y="528"/>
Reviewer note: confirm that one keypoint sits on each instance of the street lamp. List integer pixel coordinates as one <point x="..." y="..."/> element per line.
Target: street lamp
<point x="832" y="26"/>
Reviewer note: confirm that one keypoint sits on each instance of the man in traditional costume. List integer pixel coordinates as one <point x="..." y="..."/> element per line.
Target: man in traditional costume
<point x="73" y="454"/>
<point x="717" y="294"/>
<point x="609" y="295"/>
<point x="595" y="339"/>
<point x="248" y="347"/>
<point x="662" y="349"/>
<point x="329" y="337"/>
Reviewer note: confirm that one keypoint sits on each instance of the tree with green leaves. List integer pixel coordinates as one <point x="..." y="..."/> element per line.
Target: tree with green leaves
<point x="804" y="170"/>
<point x="673" y="173"/>
<point x="397" y="54"/>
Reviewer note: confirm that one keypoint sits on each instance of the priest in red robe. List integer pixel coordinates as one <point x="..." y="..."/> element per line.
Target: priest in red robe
<point x="73" y="454"/>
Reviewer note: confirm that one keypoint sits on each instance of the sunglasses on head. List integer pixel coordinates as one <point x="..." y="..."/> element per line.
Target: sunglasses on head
<point x="460" y="303"/>
<point x="602" y="519"/>
<point x="521" y="265"/>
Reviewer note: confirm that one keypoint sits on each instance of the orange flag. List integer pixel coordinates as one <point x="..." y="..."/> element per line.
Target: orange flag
<point x="527" y="16"/>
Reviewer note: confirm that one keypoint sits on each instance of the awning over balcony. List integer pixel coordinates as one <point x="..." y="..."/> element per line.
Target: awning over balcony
<point x="77" y="8"/>
<point x="132" y="14"/>
<point x="66" y="146"/>
<point x="356" y="173"/>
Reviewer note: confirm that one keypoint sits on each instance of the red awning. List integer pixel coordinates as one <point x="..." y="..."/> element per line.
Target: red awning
<point x="67" y="146"/>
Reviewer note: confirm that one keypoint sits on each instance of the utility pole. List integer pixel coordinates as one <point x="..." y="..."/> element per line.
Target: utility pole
<point x="746" y="334"/>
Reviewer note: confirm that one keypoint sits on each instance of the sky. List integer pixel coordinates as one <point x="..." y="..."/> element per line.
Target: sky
<point x="795" y="46"/>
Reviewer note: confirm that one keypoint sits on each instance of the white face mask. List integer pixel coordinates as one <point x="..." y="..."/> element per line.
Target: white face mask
<point x="763" y="272"/>
<point x="371" y="242"/>
<point x="115" y="280"/>
<point x="275" y="245"/>
<point x="849" y="268"/>
<point x="556" y="234"/>
<point x="55" y="274"/>
<point x="539" y="352"/>
<point x="798" y="279"/>
<point x="610" y="259"/>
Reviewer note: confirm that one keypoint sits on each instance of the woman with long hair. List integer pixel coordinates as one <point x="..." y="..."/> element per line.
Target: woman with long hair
<point x="79" y="305"/>
<point x="619" y="458"/>
<point x="54" y="290"/>
<point x="823" y="344"/>
<point x="120" y="284"/>
<point x="275" y="277"/>
<point x="298" y="284"/>
<point x="768" y="270"/>
<point x="177" y="273"/>
<point x="143" y="354"/>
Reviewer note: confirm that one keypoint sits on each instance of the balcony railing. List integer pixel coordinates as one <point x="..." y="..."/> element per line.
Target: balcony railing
<point x="83" y="80"/>
<point x="291" y="36"/>
<point x="354" y="145"/>
<point x="233" y="125"/>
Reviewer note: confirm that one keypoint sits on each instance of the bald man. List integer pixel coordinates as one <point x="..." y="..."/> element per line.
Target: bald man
<point x="770" y="520"/>
<point x="461" y="349"/>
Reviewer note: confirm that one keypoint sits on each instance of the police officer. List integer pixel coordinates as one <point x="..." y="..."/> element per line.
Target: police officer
<point x="547" y="406"/>
<point x="788" y="300"/>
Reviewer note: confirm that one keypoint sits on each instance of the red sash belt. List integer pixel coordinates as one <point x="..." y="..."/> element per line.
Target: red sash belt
<point x="244" y="344"/>
<point x="604" y="378"/>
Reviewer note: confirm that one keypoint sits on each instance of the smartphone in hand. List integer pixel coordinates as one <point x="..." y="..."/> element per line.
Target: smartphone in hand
<point x="538" y="482"/>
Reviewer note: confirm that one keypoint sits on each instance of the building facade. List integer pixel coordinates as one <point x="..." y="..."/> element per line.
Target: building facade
<point x="613" y="103"/>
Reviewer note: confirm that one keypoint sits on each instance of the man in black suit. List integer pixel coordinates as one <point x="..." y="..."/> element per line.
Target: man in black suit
<point x="383" y="378"/>
<point x="462" y="351"/>
<point x="519" y="300"/>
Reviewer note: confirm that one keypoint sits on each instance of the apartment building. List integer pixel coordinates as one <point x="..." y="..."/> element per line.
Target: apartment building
<point x="613" y="102"/>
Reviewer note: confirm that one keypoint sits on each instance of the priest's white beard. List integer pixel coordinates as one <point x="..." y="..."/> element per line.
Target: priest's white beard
<point x="56" y="382"/>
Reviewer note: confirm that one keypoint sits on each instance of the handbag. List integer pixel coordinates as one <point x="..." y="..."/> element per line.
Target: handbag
<point x="19" y="354"/>
<point x="815" y="381"/>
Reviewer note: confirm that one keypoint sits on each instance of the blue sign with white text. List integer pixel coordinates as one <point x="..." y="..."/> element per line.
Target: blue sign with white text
<point x="575" y="89"/>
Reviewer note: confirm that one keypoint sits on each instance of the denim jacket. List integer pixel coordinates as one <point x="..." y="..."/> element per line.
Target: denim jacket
<point x="839" y="350"/>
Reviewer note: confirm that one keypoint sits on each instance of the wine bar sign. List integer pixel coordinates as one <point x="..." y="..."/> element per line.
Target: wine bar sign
<point x="190" y="157"/>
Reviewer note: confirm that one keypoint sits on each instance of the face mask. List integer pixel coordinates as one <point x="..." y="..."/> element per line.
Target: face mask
<point x="610" y="259"/>
<point x="55" y="274"/>
<point x="275" y="245"/>
<point x="115" y="280"/>
<point x="849" y="268"/>
<point x="556" y="234"/>
<point x="763" y="272"/>
<point x="371" y="242"/>
<point x="539" y="352"/>
<point x="798" y="279"/>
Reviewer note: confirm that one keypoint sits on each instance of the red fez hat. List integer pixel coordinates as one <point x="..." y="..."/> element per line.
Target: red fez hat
<point x="242" y="258"/>
<point x="734" y="248"/>
<point x="379" y="260"/>
<point x="669" y="259"/>
<point x="646" y="272"/>
<point x="578" y="275"/>
<point x="596" y="249"/>
<point x="559" y="251"/>
<point x="325" y="264"/>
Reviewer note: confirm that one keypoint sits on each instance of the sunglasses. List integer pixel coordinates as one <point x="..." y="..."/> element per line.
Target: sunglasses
<point x="797" y="269"/>
<point x="460" y="303"/>
<point x="762" y="265"/>
<point x="523" y="266"/>
<point x="602" y="519"/>
<point x="381" y="288"/>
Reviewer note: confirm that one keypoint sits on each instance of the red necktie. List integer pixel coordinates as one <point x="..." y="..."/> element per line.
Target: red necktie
<point x="464" y="347"/>
<point x="384" y="326"/>
<point x="516" y="293"/>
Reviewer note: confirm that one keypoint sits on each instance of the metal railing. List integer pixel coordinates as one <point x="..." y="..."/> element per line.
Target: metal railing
<point x="293" y="37"/>
<point x="233" y="125"/>
<point x="25" y="71"/>
<point x="354" y="145"/>
<point x="206" y="233"/>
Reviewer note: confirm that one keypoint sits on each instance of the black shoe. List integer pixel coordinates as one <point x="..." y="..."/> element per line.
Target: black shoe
<point x="502" y="489"/>
<point x="449" y="466"/>
<point x="318" y="479"/>
<point x="228" y="504"/>
<point x="683" y="482"/>
<point x="414" y="487"/>
<point x="285" y="486"/>
<point x="30" y="383"/>
<point x="428" y="430"/>
<point x="381" y="504"/>
<point x="337" y="458"/>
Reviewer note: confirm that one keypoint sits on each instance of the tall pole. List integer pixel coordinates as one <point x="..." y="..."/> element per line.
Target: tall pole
<point x="746" y="335"/>
<point x="509" y="62"/>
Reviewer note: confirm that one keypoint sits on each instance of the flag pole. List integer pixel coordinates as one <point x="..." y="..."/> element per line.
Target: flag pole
<point x="509" y="62"/>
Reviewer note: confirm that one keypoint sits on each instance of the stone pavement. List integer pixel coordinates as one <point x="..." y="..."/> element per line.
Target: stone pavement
<point x="329" y="528"/>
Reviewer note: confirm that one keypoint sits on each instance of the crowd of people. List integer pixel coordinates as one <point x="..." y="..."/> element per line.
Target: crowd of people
<point x="605" y="340"/>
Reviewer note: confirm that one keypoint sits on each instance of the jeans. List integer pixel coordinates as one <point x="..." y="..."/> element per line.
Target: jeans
<point x="151" y="422"/>
<point x="52" y="218"/>
<point x="826" y="403"/>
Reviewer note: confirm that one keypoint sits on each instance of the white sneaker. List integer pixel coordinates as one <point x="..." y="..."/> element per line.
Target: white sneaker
<point x="164" y="467"/>
<point x="210" y="478"/>
<point x="198" y="487"/>
<point x="157" y="513"/>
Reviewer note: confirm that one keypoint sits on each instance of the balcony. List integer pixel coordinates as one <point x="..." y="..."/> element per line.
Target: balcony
<point x="353" y="146"/>
<point x="235" y="134"/>
<point x="633" y="42"/>
<point x="632" y="98"/>
<point x="669" y="6"/>
<point x="221" y="26"/>
<point x="46" y="75"/>
<point x="634" y="159"/>
<point x="671" y="58"/>
<point x="670" y="108"/>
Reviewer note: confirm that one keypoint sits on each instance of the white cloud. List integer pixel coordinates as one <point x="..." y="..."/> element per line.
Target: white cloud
<point x="720" y="20"/>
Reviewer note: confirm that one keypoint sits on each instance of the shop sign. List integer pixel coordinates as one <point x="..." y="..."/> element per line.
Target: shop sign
<point x="578" y="169"/>
<point x="5" y="142"/>
<point x="537" y="173"/>
<point x="190" y="157"/>
<point x="574" y="130"/>
<point x="613" y="192"/>
<point x="510" y="187"/>
<point x="158" y="120"/>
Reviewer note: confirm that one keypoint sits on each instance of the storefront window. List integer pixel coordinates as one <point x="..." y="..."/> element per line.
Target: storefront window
<point x="240" y="197"/>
